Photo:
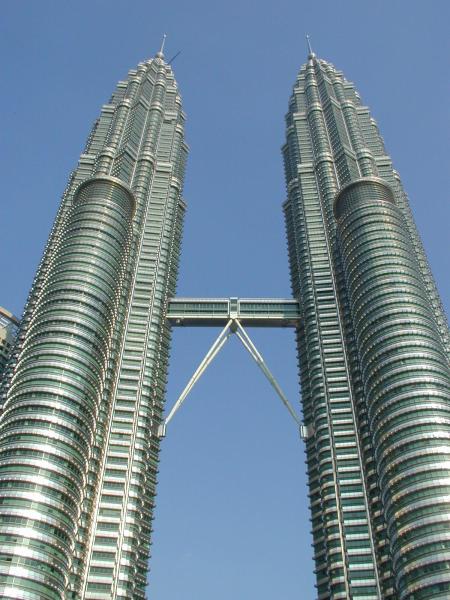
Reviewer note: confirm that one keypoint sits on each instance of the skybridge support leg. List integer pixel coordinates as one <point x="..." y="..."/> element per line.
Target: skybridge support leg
<point x="250" y="346"/>
<point x="212" y="352"/>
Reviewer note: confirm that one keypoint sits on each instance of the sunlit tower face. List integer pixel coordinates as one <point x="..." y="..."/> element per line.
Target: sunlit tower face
<point x="372" y="346"/>
<point x="86" y="393"/>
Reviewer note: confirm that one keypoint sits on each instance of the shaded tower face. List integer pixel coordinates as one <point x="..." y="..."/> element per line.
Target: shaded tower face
<point x="8" y="331"/>
<point x="81" y="406"/>
<point x="373" y="348"/>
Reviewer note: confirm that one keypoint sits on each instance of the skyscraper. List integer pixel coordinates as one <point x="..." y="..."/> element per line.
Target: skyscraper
<point x="78" y="454"/>
<point x="373" y="348"/>
<point x="82" y="401"/>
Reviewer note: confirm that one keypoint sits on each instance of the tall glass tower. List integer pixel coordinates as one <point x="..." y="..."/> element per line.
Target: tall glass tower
<point x="82" y="396"/>
<point x="80" y="407"/>
<point x="373" y="349"/>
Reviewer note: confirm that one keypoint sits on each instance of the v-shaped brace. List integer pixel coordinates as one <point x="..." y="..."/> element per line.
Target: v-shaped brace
<point x="233" y="326"/>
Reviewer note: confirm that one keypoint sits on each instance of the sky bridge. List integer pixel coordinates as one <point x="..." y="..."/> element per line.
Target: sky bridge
<point x="233" y="315"/>
<point x="216" y="312"/>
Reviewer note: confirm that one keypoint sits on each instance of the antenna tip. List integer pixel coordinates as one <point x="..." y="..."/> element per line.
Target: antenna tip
<point x="160" y="54"/>
<point x="310" y="52"/>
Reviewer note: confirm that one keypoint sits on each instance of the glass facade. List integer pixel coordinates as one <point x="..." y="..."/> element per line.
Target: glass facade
<point x="373" y="350"/>
<point x="83" y="399"/>
<point x="8" y="331"/>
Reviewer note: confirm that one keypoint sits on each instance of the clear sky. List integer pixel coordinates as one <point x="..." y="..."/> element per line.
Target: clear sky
<point x="232" y="518"/>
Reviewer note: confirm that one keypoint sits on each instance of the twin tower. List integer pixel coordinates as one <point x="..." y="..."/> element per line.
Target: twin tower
<point x="83" y="395"/>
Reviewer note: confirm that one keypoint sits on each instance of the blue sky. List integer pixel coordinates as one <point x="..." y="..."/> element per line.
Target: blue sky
<point x="231" y="517"/>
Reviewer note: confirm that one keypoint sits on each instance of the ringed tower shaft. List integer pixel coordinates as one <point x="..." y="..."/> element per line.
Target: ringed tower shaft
<point x="373" y="349"/>
<point x="82" y="403"/>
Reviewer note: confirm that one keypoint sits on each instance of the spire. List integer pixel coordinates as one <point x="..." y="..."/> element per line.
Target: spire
<point x="160" y="54"/>
<point x="310" y="52"/>
<point x="162" y="44"/>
